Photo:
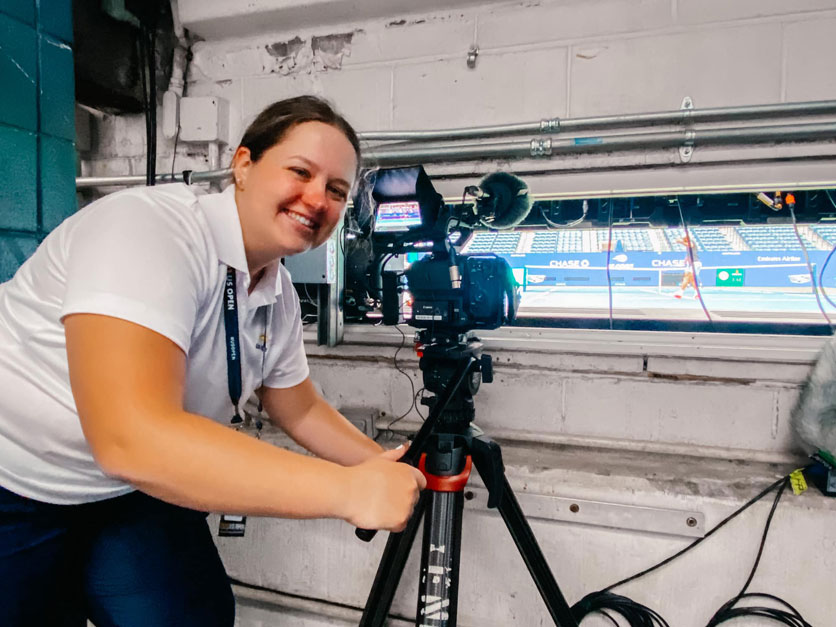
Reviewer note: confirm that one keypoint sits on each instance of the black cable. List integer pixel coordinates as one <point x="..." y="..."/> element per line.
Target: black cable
<point x="185" y="91"/>
<point x="143" y="69"/>
<point x="555" y="226"/>
<point x="642" y="616"/>
<point x="821" y="276"/>
<point x="609" y="252"/>
<point x="763" y="537"/>
<point x="727" y="611"/>
<point x="792" y="617"/>
<point x="311" y="301"/>
<point x="174" y="152"/>
<point x="151" y="34"/>
<point x="689" y="247"/>
<point x="386" y="259"/>
<point x="636" y="614"/>
<point x="698" y="541"/>
<point x="411" y="384"/>
<point x="830" y="198"/>
<point x="809" y="266"/>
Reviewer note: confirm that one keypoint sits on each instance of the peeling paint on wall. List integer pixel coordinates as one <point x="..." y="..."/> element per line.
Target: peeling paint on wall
<point x="299" y="55"/>
<point x="283" y="49"/>
<point x="329" y="50"/>
<point x="289" y="57"/>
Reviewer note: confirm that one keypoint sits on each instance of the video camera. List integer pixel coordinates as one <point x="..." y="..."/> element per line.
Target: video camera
<point x="450" y="292"/>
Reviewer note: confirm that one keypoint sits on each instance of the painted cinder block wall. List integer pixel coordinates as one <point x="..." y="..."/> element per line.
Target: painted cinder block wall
<point x="37" y="129"/>
<point x="536" y="60"/>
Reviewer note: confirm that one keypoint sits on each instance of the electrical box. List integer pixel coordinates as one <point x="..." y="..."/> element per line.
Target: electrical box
<point x="318" y="265"/>
<point x="204" y="119"/>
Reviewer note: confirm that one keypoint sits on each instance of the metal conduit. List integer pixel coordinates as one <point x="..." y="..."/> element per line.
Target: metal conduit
<point x="114" y="181"/>
<point x="539" y="147"/>
<point x="550" y="146"/>
<point x="556" y="125"/>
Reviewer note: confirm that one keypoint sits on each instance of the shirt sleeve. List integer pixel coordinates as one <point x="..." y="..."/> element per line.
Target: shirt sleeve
<point x="291" y="368"/>
<point x="139" y="258"/>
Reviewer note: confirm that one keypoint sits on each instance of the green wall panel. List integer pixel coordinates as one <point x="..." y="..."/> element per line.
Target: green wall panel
<point x="56" y="18"/>
<point x="23" y="10"/>
<point x="58" y="199"/>
<point x="18" y="193"/>
<point x="57" y="89"/>
<point x="37" y="125"/>
<point x="14" y="250"/>
<point x="18" y="74"/>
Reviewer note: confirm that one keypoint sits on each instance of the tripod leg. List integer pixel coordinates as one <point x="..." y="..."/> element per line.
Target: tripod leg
<point x="527" y="545"/>
<point x="438" y="587"/>
<point x="390" y="569"/>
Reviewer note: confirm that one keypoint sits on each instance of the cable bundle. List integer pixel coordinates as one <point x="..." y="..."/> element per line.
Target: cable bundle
<point x="636" y="614"/>
<point x="789" y="616"/>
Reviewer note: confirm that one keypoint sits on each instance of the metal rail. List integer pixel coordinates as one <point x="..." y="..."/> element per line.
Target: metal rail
<point x="556" y="125"/>
<point x="549" y="146"/>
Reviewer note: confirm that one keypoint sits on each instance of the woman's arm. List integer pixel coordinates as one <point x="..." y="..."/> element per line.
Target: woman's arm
<point x="128" y="384"/>
<point x="313" y="423"/>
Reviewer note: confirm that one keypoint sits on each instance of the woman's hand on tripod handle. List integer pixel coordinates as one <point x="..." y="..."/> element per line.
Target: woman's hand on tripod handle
<point x="383" y="492"/>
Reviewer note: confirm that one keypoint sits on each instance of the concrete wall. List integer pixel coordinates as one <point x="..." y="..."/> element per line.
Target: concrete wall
<point x="643" y="431"/>
<point x="565" y="58"/>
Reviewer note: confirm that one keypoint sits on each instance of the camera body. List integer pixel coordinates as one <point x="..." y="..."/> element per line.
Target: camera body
<point x="485" y="295"/>
<point x="450" y="292"/>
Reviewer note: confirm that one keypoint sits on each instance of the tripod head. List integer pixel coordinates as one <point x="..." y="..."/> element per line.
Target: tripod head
<point x="454" y="367"/>
<point x="442" y="354"/>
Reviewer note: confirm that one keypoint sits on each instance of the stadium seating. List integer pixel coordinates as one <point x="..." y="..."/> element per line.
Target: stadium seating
<point x="630" y="239"/>
<point x="773" y="237"/>
<point x="779" y="237"/>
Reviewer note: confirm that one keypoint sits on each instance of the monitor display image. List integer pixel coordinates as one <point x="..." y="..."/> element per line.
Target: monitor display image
<point x="395" y="217"/>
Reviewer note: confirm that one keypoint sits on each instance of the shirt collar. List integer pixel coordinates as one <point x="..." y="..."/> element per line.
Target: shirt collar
<point x="222" y="216"/>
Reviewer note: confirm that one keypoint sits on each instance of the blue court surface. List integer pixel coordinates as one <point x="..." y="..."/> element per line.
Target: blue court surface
<point x="724" y="304"/>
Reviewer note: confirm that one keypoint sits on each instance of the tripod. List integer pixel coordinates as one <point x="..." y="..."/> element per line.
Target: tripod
<point x="445" y="448"/>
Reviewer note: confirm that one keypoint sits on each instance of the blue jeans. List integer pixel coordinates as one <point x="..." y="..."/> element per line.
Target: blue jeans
<point x="130" y="561"/>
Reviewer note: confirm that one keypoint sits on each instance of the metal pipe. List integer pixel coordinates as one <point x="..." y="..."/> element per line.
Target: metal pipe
<point x="556" y="125"/>
<point x="115" y="181"/>
<point x="550" y="146"/>
<point x="535" y="148"/>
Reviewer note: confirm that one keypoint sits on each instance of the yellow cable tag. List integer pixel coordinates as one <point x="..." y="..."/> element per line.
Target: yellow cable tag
<point x="798" y="482"/>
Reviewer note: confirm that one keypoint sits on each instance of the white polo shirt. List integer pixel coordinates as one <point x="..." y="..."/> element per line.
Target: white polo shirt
<point x="154" y="256"/>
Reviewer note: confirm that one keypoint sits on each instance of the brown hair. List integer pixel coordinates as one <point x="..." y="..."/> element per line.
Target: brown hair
<point x="272" y="124"/>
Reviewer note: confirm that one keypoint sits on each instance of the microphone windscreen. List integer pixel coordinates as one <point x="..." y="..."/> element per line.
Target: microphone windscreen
<point x="509" y="201"/>
<point x="814" y="416"/>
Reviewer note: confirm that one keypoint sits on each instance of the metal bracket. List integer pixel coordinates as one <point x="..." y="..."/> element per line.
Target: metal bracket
<point x="686" y="151"/>
<point x="550" y="125"/>
<point x="471" y="56"/>
<point x="541" y="147"/>
<point x="660" y="520"/>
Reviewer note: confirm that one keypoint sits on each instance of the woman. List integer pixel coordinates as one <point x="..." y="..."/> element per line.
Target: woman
<point x="692" y="267"/>
<point x="121" y="354"/>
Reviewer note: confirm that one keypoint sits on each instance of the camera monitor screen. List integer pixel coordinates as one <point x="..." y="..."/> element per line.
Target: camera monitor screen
<point x="396" y="217"/>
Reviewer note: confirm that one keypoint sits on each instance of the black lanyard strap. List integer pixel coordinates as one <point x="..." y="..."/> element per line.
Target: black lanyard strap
<point x="233" y="346"/>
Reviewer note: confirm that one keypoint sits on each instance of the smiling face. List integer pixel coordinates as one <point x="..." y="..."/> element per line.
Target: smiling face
<point x="293" y="197"/>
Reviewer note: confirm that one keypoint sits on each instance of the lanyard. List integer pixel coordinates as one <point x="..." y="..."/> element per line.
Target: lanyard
<point x="234" y="525"/>
<point x="233" y="346"/>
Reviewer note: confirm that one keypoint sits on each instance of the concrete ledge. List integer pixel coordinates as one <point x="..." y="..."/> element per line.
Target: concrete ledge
<point x="323" y="573"/>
